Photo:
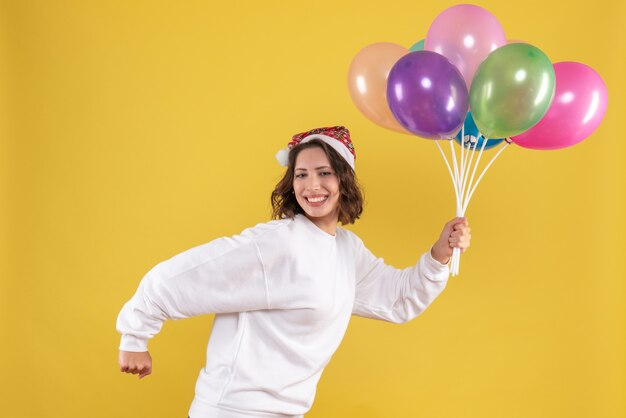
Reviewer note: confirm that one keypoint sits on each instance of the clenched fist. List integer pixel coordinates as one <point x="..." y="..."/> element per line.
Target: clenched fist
<point x="136" y="363"/>
<point x="455" y="234"/>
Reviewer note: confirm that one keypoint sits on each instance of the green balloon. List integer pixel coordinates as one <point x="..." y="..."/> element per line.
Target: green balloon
<point x="511" y="90"/>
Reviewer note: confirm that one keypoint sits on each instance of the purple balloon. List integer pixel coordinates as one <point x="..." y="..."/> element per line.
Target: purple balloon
<point x="427" y="95"/>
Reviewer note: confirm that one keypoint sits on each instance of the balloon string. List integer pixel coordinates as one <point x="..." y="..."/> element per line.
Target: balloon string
<point x="456" y="261"/>
<point x="456" y="255"/>
<point x="449" y="169"/>
<point x="462" y="148"/>
<point x="502" y="148"/>
<point x="467" y="167"/>
<point x="461" y="178"/>
<point x="454" y="182"/>
<point x="467" y="153"/>
<point x="469" y="186"/>
<point x="456" y="178"/>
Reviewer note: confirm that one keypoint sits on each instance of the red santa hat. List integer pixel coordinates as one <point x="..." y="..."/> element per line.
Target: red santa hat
<point x="338" y="137"/>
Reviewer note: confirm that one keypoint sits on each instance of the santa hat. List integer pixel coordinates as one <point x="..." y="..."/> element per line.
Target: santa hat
<point x="338" y="137"/>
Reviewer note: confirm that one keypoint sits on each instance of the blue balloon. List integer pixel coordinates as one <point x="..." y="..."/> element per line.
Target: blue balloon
<point x="417" y="46"/>
<point x="471" y="133"/>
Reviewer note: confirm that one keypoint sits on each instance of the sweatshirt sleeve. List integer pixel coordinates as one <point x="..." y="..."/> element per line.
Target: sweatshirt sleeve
<point x="396" y="295"/>
<point x="225" y="275"/>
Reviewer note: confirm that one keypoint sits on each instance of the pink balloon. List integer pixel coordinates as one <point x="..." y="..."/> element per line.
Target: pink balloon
<point x="465" y="34"/>
<point x="579" y="104"/>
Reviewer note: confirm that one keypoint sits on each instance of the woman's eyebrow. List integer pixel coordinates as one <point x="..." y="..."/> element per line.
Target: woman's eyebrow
<point x="316" y="168"/>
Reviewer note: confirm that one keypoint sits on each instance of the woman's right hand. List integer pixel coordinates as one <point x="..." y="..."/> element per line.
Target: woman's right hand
<point x="455" y="234"/>
<point x="136" y="363"/>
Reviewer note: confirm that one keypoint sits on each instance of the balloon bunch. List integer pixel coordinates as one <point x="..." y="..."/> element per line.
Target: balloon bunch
<point x="516" y="95"/>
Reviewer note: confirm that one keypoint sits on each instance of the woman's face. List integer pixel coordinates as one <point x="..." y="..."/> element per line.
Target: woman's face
<point x="316" y="187"/>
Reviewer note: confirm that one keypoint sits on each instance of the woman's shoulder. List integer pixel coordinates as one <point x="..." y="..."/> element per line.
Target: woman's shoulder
<point x="269" y="227"/>
<point x="349" y="236"/>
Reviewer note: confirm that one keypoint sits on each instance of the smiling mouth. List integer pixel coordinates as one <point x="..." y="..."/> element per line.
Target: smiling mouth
<point x="316" y="199"/>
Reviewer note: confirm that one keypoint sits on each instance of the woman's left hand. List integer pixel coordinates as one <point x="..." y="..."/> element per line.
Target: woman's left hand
<point x="455" y="234"/>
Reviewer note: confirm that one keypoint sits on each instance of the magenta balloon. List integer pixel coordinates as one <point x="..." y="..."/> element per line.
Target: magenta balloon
<point x="465" y="34"/>
<point x="427" y="95"/>
<point x="580" y="101"/>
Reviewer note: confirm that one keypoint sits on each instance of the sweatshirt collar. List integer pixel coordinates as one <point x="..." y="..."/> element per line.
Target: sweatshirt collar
<point x="314" y="228"/>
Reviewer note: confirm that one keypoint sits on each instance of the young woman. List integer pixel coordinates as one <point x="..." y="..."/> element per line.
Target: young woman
<point x="283" y="291"/>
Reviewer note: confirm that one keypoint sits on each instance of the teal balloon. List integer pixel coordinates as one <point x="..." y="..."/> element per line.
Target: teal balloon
<point x="471" y="134"/>
<point x="512" y="90"/>
<point x="418" y="46"/>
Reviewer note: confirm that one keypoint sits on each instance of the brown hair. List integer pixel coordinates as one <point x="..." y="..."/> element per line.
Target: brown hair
<point x="284" y="203"/>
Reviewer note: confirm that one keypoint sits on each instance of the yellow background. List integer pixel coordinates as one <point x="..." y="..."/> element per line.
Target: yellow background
<point x="133" y="130"/>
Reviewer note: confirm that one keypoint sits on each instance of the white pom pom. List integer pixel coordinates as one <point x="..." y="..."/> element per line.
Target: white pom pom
<point x="283" y="157"/>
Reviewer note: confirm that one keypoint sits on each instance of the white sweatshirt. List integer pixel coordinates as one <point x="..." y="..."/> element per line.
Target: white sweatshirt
<point x="283" y="293"/>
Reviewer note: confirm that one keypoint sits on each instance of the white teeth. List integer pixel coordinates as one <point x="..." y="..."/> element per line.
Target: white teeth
<point x="316" y="199"/>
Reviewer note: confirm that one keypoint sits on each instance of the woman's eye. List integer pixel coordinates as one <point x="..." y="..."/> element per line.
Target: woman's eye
<point x="325" y="173"/>
<point x="301" y="175"/>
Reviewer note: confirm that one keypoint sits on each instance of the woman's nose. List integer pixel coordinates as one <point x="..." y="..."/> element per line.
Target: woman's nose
<point x="313" y="183"/>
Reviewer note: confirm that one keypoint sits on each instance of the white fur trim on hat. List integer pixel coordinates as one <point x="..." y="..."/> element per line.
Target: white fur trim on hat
<point x="282" y="156"/>
<point x="336" y="144"/>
